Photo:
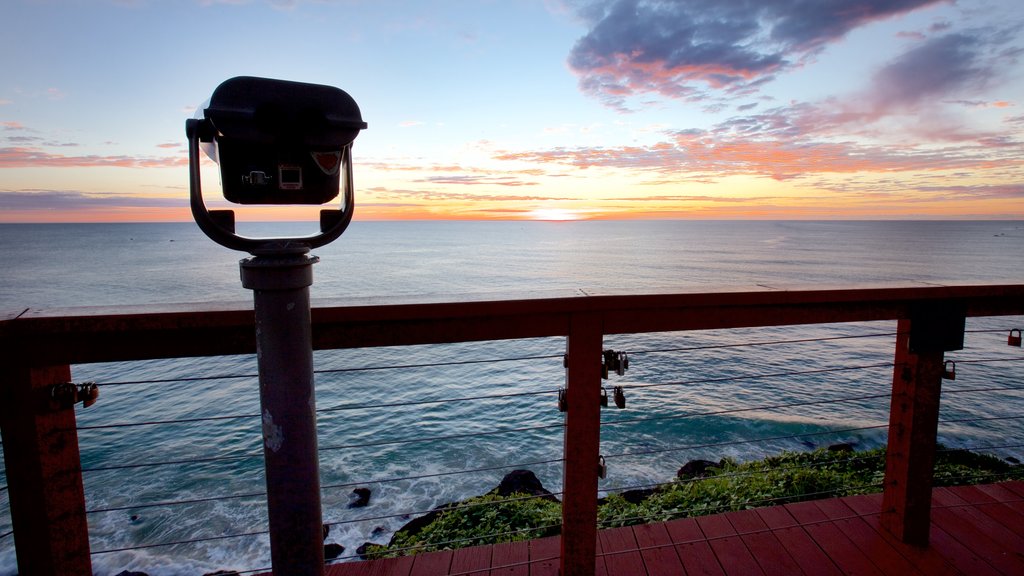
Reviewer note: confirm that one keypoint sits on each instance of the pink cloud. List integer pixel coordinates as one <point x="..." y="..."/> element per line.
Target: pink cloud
<point x="707" y="155"/>
<point x="25" y="157"/>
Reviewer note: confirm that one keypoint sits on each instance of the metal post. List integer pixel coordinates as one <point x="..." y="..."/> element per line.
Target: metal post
<point x="280" y="285"/>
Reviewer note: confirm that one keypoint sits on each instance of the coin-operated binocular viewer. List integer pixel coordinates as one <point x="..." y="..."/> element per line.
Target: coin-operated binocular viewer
<point x="280" y="142"/>
<point x="276" y="142"/>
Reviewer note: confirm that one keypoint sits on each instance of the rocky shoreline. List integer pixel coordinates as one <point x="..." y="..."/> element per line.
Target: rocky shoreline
<point x="526" y="483"/>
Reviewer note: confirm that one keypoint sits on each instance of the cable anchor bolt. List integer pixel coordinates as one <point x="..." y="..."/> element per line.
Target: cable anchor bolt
<point x="949" y="370"/>
<point x="67" y="394"/>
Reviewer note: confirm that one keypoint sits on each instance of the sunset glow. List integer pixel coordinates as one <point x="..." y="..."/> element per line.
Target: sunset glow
<point x="553" y="214"/>
<point x="858" y="109"/>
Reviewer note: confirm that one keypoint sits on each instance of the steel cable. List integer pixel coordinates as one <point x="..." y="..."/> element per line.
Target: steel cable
<point x="763" y="343"/>
<point x="735" y="442"/>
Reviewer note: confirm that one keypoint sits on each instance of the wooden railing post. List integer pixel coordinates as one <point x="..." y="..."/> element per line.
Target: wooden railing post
<point x="44" y="473"/>
<point x="913" y="420"/>
<point x="582" y="446"/>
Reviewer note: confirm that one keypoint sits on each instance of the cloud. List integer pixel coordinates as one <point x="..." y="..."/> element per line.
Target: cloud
<point x="950" y="64"/>
<point x="681" y="49"/>
<point x="764" y="152"/>
<point x="28" y="157"/>
<point x="431" y="195"/>
<point x="685" y="198"/>
<point x="66" y="200"/>
<point x="477" y="180"/>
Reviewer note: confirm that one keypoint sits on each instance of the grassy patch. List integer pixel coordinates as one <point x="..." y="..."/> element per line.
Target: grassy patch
<point x="788" y="477"/>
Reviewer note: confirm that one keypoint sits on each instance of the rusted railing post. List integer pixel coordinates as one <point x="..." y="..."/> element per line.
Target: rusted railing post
<point x="44" y="472"/>
<point x="913" y="419"/>
<point x="582" y="446"/>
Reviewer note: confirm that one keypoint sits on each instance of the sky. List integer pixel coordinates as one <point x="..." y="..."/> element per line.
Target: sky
<point x="535" y="109"/>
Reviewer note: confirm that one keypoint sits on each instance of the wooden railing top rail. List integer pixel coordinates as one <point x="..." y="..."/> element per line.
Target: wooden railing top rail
<point x="84" y="335"/>
<point x="41" y="444"/>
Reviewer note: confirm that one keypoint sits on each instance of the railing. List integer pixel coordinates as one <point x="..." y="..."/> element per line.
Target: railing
<point x="44" y="471"/>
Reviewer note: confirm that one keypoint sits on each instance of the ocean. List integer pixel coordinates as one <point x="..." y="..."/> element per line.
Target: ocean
<point x="426" y="425"/>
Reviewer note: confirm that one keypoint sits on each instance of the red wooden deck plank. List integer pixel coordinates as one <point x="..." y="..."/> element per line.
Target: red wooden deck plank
<point x="770" y="554"/>
<point x="1003" y="495"/>
<point x="877" y="549"/>
<point x="962" y="528"/>
<point x="472" y="561"/>
<point x="1016" y="486"/>
<point x="620" y="551"/>
<point x="511" y="559"/>
<point x="831" y="539"/>
<point x="997" y="511"/>
<point x="746" y="521"/>
<point x="432" y="563"/>
<point x="926" y="560"/>
<point x="544" y="558"/>
<point x="599" y="565"/>
<point x="776" y="517"/>
<point x="808" y="555"/>
<point x="1007" y="537"/>
<point x="400" y="566"/>
<point x="731" y="551"/>
<point x="693" y="549"/>
<point x="348" y="569"/>
<point x="659" y="555"/>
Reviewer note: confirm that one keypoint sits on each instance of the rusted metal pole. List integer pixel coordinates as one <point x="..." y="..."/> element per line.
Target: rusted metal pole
<point x="44" y="473"/>
<point x="913" y="421"/>
<point x="284" y="352"/>
<point x="582" y="446"/>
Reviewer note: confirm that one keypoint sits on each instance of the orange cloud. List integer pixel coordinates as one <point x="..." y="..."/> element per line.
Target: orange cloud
<point x="26" y="157"/>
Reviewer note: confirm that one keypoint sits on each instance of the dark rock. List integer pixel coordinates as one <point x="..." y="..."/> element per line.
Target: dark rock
<point x="696" y="469"/>
<point x="222" y="573"/>
<point x="130" y="573"/>
<point x="637" y="496"/>
<point x="841" y="447"/>
<point x="327" y="530"/>
<point x="359" y="497"/>
<point x="378" y="530"/>
<point x="1012" y="460"/>
<point x="415" y="525"/>
<point x="523" y="482"/>
<point x="332" y="551"/>
<point x="515" y="482"/>
<point x="632" y="496"/>
<point x="362" y="549"/>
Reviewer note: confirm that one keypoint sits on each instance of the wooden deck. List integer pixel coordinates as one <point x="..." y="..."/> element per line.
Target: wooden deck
<point x="976" y="530"/>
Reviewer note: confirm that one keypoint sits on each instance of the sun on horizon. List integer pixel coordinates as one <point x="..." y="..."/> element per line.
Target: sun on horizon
<point x="554" y="214"/>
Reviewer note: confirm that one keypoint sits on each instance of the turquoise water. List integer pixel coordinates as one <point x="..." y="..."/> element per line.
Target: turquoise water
<point x="759" y="385"/>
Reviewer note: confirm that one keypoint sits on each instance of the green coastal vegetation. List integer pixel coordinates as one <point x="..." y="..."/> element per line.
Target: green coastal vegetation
<point x="726" y="486"/>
